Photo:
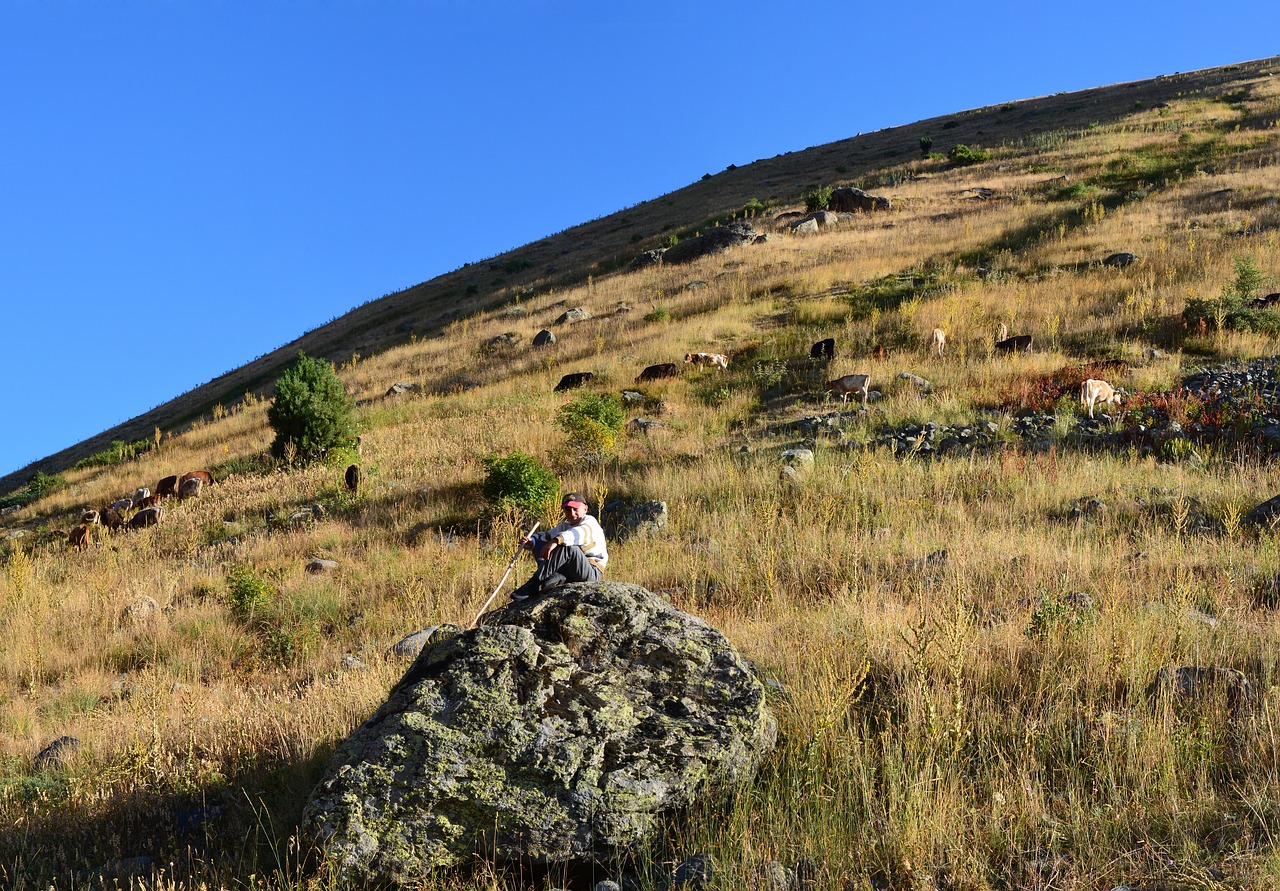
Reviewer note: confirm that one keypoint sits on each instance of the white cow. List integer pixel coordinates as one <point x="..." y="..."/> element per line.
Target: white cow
<point x="938" y="341"/>
<point x="715" y="360"/>
<point x="1002" y="333"/>
<point x="1094" y="391"/>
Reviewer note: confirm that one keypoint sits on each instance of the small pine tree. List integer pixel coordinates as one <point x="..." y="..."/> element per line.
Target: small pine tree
<point x="817" y="199"/>
<point x="311" y="410"/>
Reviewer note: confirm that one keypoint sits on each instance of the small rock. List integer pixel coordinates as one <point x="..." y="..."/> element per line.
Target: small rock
<point x="410" y="646"/>
<point x="318" y="566"/>
<point x="122" y="687"/>
<point x="56" y="754"/>
<point x="797" y="458"/>
<point x="142" y="610"/>
<point x="1120" y="260"/>
<point x="775" y="877"/>
<point x="695" y="285"/>
<point x="400" y="388"/>
<point x="607" y="885"/>
<point x="570" y="316"/>
<point x="544" y="338"/>
<point x="694" y="873"/>
<point x="925" y="387"/>
<point x="352" y="663"/>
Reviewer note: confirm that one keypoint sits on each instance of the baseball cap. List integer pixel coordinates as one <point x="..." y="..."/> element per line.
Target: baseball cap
<point x="574" y="499"/>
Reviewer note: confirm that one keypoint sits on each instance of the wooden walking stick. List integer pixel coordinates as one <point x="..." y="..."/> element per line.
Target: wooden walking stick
<point x="510" y="566"/>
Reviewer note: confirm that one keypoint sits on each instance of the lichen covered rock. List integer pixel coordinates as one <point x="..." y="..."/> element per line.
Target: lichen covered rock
<point x="562" y="729"/>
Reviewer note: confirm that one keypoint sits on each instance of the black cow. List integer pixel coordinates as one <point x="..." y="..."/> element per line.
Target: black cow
<point x="573" y="381"/>
<point x="653" y="372"/>
<point x="823" y="349"/>
<point x="1019" y="343"/>
<point x="353" y="478"/>
<point x="146" y="517"/>
<point x="168" y="485"/>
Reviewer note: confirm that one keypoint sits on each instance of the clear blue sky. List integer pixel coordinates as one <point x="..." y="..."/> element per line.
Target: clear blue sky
<point x="188" y="185"/>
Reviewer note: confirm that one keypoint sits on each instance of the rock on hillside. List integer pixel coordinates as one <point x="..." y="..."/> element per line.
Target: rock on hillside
<point x="560" y="730"/>
<point x="716" y="240"/>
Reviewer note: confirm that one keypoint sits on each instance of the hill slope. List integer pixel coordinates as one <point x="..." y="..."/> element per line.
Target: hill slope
<point x="1012" y="646"/>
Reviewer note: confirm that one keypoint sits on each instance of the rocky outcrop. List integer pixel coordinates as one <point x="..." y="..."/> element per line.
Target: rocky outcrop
<point x="852" y="200"/>
<point x="560" y="730"/>
<point x="716" y="240"/>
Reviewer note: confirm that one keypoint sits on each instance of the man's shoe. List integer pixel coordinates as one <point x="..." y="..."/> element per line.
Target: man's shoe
<point x="525" y="591"/>
<point x="554" y="583"/>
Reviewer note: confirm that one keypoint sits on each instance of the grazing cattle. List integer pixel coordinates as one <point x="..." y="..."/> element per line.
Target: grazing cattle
<point x="1002" y="333"/>
<point x="1019" y="343"/>
<point x="168" y="485"/>
<point x="573" y="381"/>
<point x="149" y="501"/>
<point x="1094" y="391"/>
<point x="823" y="349"/>
<point x="938" y="340"/>
<point x="122" y="505"/>
<point x="850" y="383"/>
<point x="146" y="517"/>
<point x="204" y="476"/>
<point x="78" y="539"/>
<point x="111" y="518"/>
<point x="353" y="478"/>
<point x="653" y="372"/>
<point x="713" y="359"/>
<point x="190" y="488"/>
<point x="89" y="518"/>
<point x="139" y="495"/>
<point x="879" y="352"/>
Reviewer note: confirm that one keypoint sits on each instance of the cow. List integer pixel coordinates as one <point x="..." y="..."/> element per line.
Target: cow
<point x="1019" y="343"/>
<point x="122" y="505"/>
<point x="190" y="488"/>
<point x="89" y="518"/>
<point x="1002" y="333"/>
<point x="139" y="495"/>
<point x="150" y="501"/>
<point x="850" y="383"/>
<point x="879" y="352"/>
<point x="204" y="476"/>
<point x="823" y="349"/>
<point x="938" y="340"/>
<point x="78" y="539"/>
<point x="146" y="517"/>
<point x="1094" y="391"/>
<point x="352" y="478"/>
<point x="573" y="381"/>
<point x="714" y="359"/>
<point x="111" y="518"/>
<point x="653" y="372"/>
<point x="168" y="485"/>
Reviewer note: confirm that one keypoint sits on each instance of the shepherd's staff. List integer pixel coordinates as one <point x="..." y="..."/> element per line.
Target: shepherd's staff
<point x="510" y="566"/>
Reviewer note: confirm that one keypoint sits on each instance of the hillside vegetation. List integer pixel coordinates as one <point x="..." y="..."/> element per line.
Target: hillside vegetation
<point x="994" y="716"/>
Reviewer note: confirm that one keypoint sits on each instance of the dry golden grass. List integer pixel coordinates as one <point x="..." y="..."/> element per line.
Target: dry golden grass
<point x="954" y="725"/>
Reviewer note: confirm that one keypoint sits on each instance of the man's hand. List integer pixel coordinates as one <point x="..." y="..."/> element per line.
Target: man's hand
<point x="547" y="548"/>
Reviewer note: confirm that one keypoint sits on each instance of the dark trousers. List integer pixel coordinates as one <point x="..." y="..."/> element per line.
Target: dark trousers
<point x="567" y="563"/>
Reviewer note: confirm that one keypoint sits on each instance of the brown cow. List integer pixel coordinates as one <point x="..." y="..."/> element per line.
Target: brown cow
<point x="204" y="476"/>
<point x="879" y="352"/>
<point x="573" y="381"/>
<point x="149" y="501"/>
<point x="168" y="485"/>
<point x="111" y="518"/>
<point x="653" y="372"/>
<point x="1019" y="343"/>
<point x="78" y="539"/>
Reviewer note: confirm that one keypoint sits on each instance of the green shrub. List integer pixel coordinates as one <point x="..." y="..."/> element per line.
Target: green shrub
<point x="116" y="453"/>
<point x="247" y="593"/>
<point x="592" y="423"/>
<point x="519" y="481"/>
<point x="1234" y="310"/>
<point x="658" y="314"/>
<point x="37" y="487"/>
<point x="817" y="199"/>
<point x="960" y="155"/>
<point x="926" y="146"/>
<point x="311" y="410"/>
<point x="754" y="208"/>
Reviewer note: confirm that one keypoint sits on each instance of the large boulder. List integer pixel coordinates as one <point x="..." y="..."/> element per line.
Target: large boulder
<point x="561" y="730"/>
<point x="852" y="200"/>
<point x="716" y="240"/>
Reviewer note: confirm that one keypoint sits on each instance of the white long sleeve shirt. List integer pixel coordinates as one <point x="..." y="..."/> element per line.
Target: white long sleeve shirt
<point x="587" y="535"/>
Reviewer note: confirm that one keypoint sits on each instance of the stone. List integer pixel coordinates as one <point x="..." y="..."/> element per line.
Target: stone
<point x="715" y="240"/>
<point x="643" y="425"/>
<point x="506" y="340"/>
<point x="1265" y="514"/>
<point x="925" y="387"/>
<point x="401" y="388"/>
<point x="645" y="259"/>
<point x="798" y="457"/>
<point x="694" y="873"/>
<point x="1120" y="260"/>
<point x="632" y="397"/>
<point x="807" y="226"/>
<point x="411" y="645"/>
<point x="142" y="610"/>
<point x="564" y="729"/>
<point x="55" y="755"/>
<point x="849" y="200"/>
<point x="642" y="518"/>
<point x="695" y="285"/>
<point x="775" y="877"/>
<point x="122" y="687"/>
<point x="570" y="316"/>
<point x="319" y="566"/>
<point x="352" y="663"/>
<point x="544" y="338"/>
<point x="1194" y="684"/>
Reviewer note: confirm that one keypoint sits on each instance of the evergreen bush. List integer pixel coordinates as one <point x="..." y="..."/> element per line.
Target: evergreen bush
<point x="311" y="410"/>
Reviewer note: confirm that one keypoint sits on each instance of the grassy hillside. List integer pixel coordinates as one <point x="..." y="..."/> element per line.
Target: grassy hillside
<point x="969" y="721"/>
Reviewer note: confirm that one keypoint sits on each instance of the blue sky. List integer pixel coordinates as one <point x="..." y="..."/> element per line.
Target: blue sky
<point x="188" y="185"/>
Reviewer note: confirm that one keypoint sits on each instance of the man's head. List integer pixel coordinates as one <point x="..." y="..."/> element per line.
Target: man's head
<point x="574" y="506"/>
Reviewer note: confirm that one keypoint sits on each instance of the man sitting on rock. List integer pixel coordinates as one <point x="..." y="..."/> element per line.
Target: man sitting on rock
<point x="571" y="551"/>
